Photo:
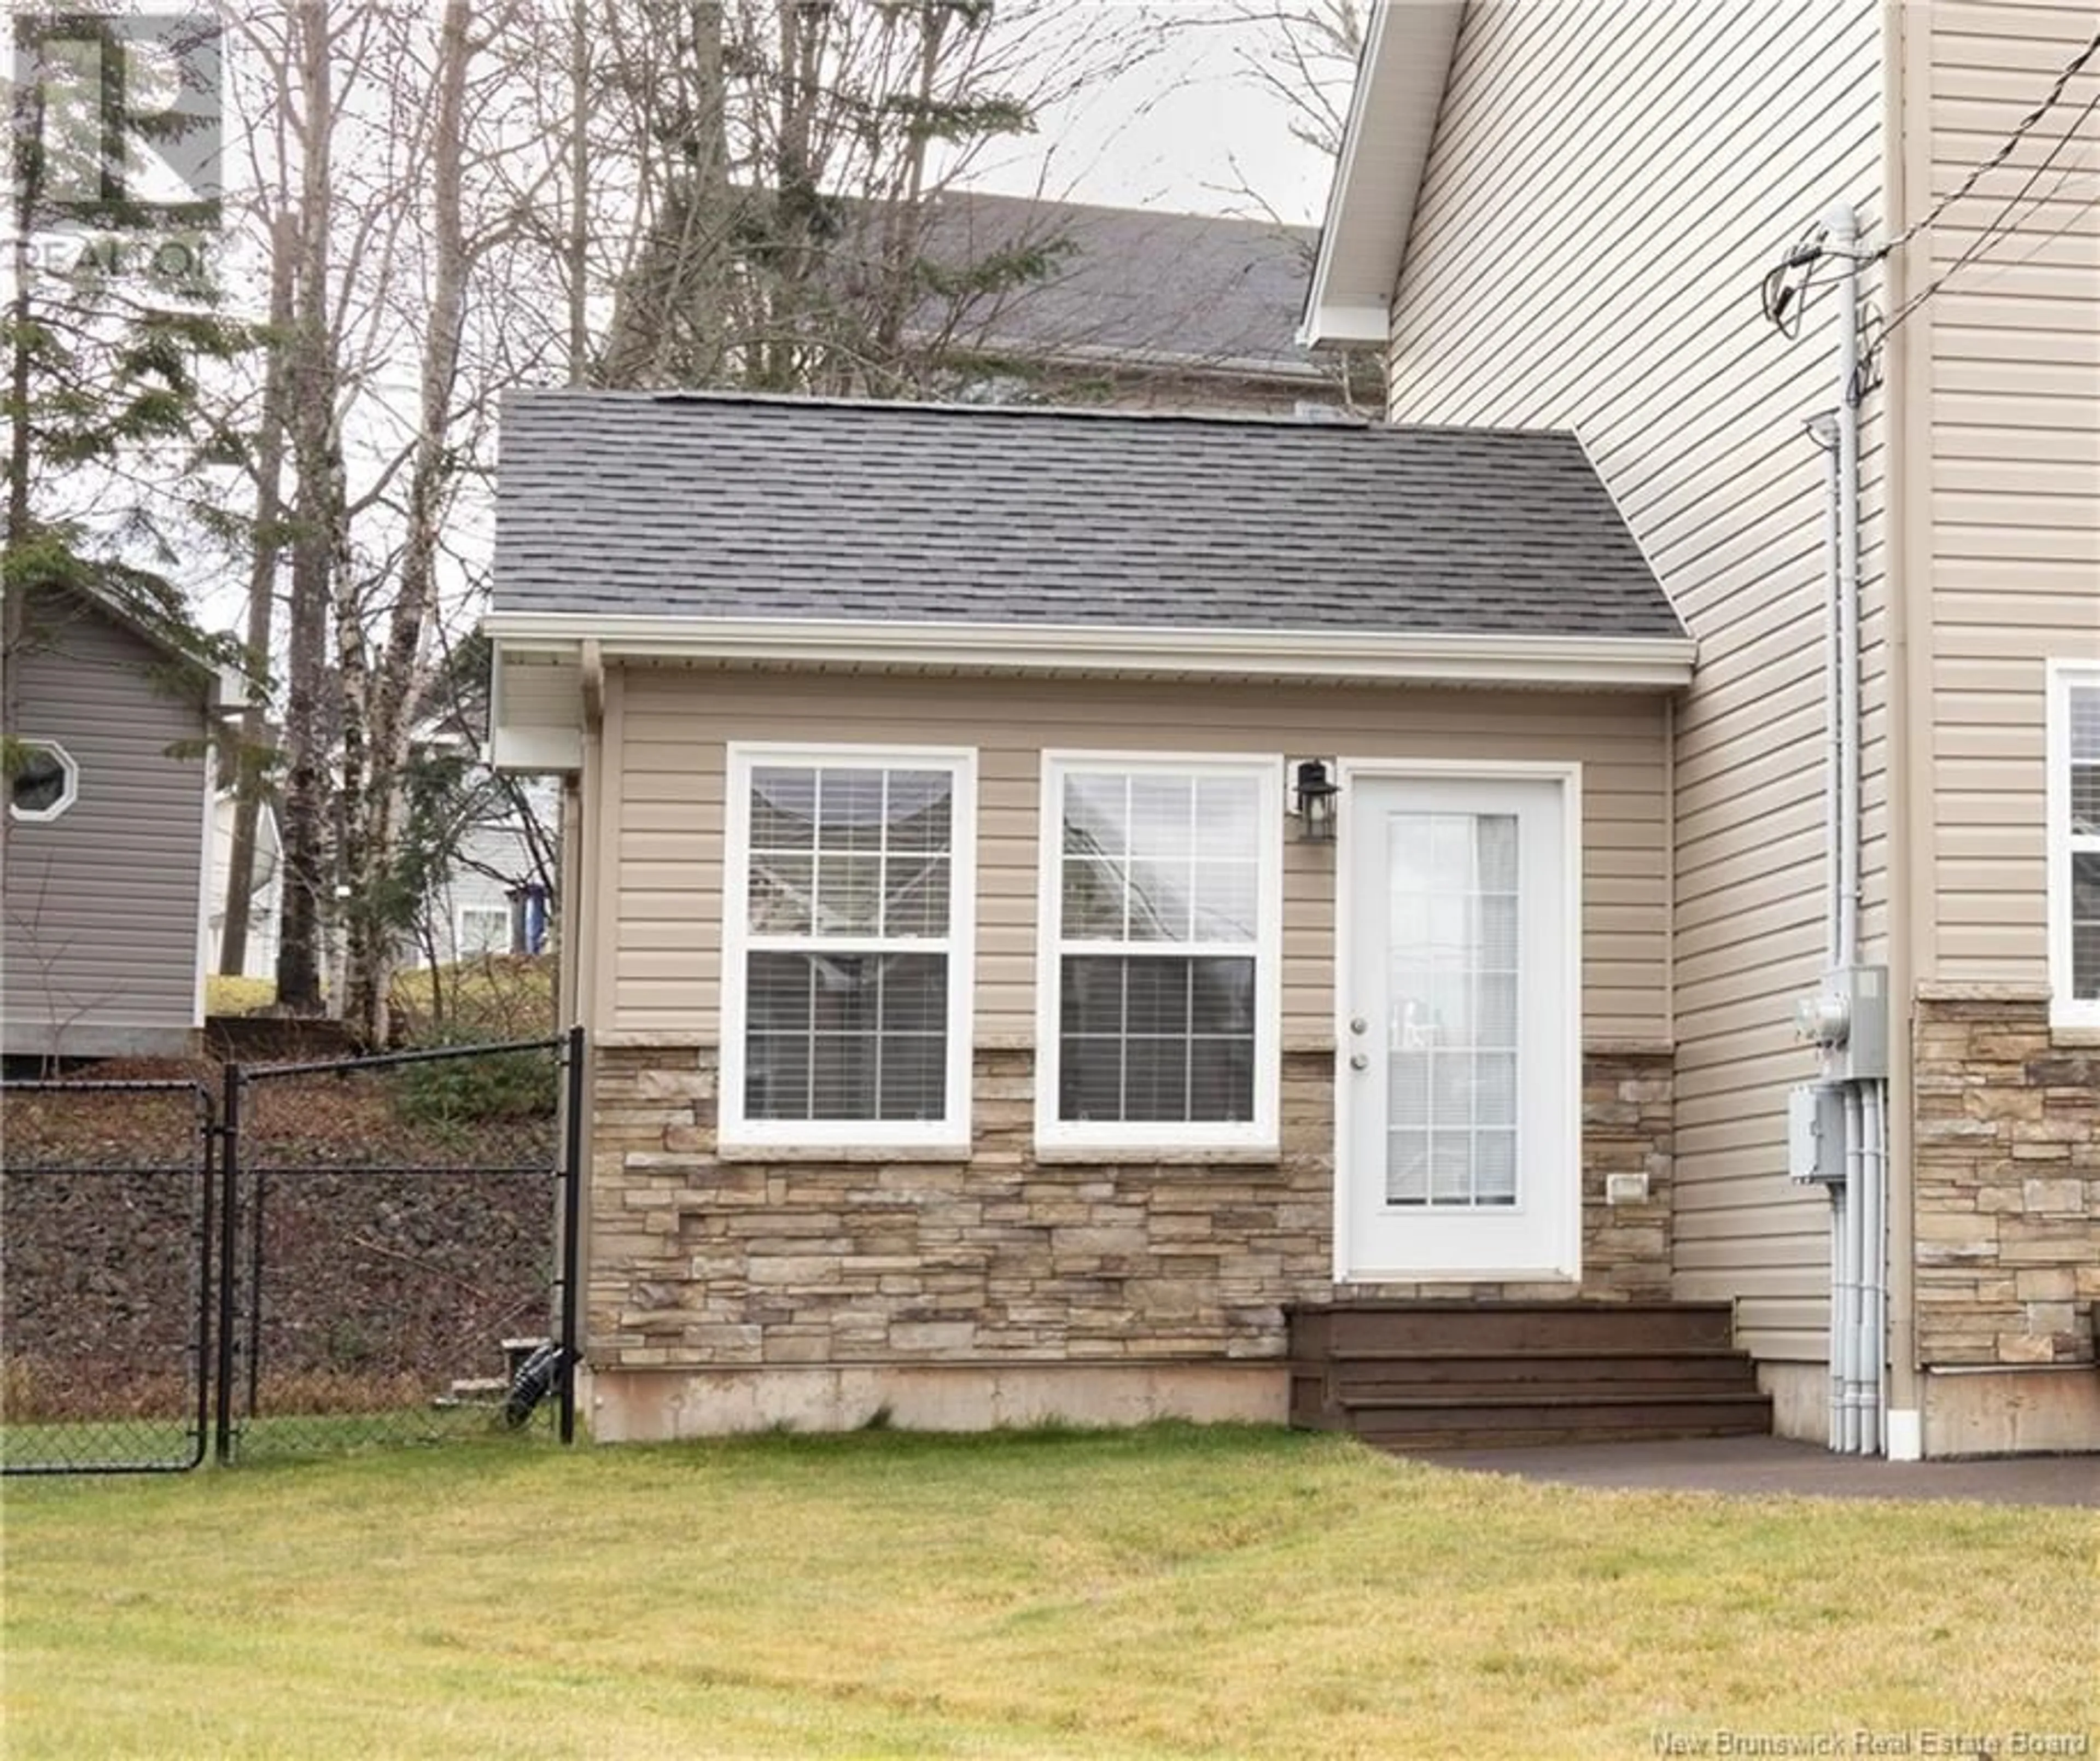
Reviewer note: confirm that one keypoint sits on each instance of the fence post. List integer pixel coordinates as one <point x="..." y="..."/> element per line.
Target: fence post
<point x="207" y="1245"/>
<point x="229" y="1174"/>
<point x="572" y="1206"/>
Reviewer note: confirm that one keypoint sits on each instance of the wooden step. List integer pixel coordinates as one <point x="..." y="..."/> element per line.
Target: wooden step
<point x="1420" y="1374"/>
<point x="1548" y="1435"/>
<point x="1549" y="1418"/>
<point x="1427" y="1326"/>
<point x="1466" y="1372"/>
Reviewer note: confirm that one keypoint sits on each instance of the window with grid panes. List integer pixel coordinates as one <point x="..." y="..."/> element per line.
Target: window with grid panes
<point x="845" y="1012"/>
<point x="2075" y="845"/>
<point x="1163" y="946"/>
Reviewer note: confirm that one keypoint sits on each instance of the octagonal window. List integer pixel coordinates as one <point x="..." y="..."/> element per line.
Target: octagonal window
<point x="43" y="781"/>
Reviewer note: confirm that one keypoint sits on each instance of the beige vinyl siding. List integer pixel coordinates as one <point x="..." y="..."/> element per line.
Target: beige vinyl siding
<point x="102" y="926"/>
<point x="675" y="723"/>
<point x="2010" y="410"/>
<point x="1607" y="187"/>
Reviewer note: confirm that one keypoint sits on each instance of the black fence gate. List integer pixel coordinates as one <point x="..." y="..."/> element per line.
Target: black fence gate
<point x="363" y="1251"/>
<point x="108" y="1220"/>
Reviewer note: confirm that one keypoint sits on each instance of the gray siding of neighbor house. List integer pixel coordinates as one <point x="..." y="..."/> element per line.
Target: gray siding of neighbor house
<point x="494" y="856"/>
<point x="1550" y="282"/>
<point x="101" y="941"/>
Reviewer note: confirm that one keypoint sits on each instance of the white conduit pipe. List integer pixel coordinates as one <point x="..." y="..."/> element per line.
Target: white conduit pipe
<point x="1850" y="1293"/>
<point x="1855" y="1320"/>
<point x="1824" y="431"/>
<point x="1844" y="237"/>
<point x="1836" y="1420"/>
<point x="1874" y="1164"/>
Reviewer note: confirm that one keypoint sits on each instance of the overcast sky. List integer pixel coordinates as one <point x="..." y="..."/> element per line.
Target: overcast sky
<point x="1182" y="131"/>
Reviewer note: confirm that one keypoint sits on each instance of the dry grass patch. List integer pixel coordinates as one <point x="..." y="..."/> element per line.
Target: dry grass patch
<point x="1162" y="1593"/>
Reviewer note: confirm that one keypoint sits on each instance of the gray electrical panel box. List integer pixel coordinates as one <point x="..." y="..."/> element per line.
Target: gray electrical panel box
<point x="1816" y="1133"/>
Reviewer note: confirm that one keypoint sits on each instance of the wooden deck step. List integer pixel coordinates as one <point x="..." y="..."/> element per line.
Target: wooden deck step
<point x="1427" y="1373"/>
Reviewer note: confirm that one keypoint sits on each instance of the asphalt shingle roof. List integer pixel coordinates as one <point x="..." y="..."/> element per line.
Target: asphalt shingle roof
<point x="1139" y="284"/>
<point x="730" y="506"/>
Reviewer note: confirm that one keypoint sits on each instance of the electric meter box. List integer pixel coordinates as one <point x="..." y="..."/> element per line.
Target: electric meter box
<point x="1847" y="1022"/>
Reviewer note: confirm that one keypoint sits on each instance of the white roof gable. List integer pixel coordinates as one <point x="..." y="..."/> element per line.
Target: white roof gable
<point x="1385" y="149"/>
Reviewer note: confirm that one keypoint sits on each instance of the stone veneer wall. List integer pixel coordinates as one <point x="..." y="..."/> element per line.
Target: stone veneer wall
<point x="699" y="1264"/>
<point x="2006" y="1166"/>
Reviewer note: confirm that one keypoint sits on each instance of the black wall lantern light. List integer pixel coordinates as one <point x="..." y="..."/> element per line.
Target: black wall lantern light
<point x="1314" y="790"/>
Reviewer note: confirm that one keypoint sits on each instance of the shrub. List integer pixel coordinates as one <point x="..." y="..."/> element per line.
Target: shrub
<point x="228" y="995"/>
<point x="490" y="997"/>
<point x="477" y="1089"/>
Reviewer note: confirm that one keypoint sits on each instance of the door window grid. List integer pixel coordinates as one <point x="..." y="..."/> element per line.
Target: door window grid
<point x="1453" y="988"/>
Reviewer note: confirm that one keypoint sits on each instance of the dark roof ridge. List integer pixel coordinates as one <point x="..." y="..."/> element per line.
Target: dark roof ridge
<point x="1328" y="422"/>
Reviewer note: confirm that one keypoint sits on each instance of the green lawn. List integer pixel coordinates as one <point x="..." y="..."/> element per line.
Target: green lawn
<point x="1169" y="1592"/>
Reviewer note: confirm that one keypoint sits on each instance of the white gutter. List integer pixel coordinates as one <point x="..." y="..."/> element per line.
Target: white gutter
<point x="1646" y="663"/>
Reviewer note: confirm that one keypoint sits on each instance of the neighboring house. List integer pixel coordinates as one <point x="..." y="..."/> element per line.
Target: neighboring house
<point x="495" y="896"/>
<point x="266" y="905"/>
<point x="109" y="810"/>
<point x="1142" y="309"/>
<point x="987" y="1022"/>
<point x="1562" y="217"/>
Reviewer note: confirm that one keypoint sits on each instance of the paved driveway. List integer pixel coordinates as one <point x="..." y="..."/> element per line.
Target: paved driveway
<point x="1766" y="1467"/>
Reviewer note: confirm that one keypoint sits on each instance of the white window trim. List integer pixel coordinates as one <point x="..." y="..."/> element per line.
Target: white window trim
<point x="460" y="913"/>
<point x="736" y="1134"/>
<point x="1256" y="1139"/>
<point x="2065" y="1010"/>
<point x="58" y="809"/>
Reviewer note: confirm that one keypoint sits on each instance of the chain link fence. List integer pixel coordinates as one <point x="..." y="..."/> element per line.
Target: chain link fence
<point x="107" y="1226"/>
<point x="399" y="1219"/>
<point x="321" y="1255"/>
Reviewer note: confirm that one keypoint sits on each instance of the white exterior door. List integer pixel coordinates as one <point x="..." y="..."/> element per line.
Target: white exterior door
<point x="1458" y="1127"/>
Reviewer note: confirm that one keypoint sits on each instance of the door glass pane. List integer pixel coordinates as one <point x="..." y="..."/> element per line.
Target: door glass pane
<point x="1454" y="974"/>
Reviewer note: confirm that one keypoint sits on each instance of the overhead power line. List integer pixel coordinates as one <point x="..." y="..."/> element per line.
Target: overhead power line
<point x="2001" y="224"/>
<point x="2033" y="120"/>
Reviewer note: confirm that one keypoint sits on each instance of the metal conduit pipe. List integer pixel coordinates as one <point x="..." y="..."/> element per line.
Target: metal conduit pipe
<point x="1874" y="1166"/>
<point x="1844" y="240"/>
<point x="1856" y="1320"/>
<point x="1822" y="430"/>
<point x="1850" y="1293"/>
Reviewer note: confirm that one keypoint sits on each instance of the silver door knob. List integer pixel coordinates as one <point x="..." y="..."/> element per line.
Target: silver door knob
<point x="1358" y="1024"/>
<point x="1358" y="1060"/>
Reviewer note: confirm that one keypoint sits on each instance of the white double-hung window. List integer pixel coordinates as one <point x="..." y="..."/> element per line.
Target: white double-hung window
<point x="1158" y="978"/>
<point x="846" y="947"/>
<point x="2074" y="843"/>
